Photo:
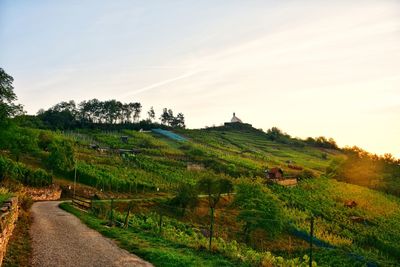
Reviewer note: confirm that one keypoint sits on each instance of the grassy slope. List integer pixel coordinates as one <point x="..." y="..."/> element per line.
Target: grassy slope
<point x="157" y="250"/>
<point x="163" y="163"/>
<point x="376" y="238"/>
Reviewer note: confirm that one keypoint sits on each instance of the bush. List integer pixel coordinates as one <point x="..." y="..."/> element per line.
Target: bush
<point x="41" y="178"/>
<point x="61" y="156"/>
<point x="259" y="210"/>
<point x="306" y="174"/>
<point x="45" y="140"/>
<point x="19" y="172"/>
<point x="186" y="197"/>
<point x="25" y="201"/>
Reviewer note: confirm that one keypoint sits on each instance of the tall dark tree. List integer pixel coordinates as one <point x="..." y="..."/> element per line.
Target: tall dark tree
<point x="89" y="110"/>
<point x="120" y="112"/>
<point x="164" y="116"/>
<point x="63" y="115"/>
<point x="127" y="112"/>
<point x="68" y="115"/>
<point x="7" y="97"/>
<point x="180" y="118"/>
<point x="151" y="114"/>
<point x="171" y="118"/>
<point x="111" y="110"/>
<point x="57" y="119"/>
<point x="137" y="109"/>
<point x="69" y="106"/>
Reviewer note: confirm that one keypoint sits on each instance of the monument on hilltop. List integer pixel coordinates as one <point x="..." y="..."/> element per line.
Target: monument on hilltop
<point x="236" y="122"/>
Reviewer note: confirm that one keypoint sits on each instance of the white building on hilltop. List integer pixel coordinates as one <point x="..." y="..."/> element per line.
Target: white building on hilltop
<point x="236" y="122"/>
<point x="235" y="119"/>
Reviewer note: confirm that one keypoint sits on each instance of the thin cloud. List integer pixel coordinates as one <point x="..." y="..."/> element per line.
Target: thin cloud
<point x="162" y="83"/>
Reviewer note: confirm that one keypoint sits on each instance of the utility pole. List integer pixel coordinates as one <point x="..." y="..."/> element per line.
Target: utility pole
<point x="311" y="238"/>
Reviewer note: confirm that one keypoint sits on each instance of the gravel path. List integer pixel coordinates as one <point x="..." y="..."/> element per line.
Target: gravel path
<point x="61" y="239"/>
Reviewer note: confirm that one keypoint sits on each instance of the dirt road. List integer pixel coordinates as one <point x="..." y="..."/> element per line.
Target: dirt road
<point x="61" y="239"/>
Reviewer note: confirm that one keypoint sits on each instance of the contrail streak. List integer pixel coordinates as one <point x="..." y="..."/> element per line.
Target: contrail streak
<point x="158" y="84"/>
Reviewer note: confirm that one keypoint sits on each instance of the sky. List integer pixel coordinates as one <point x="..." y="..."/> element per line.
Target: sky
<point x="311" y="68"/>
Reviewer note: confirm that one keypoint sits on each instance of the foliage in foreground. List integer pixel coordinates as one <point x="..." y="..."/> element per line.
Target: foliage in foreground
<point x="176" y="236"/>
<point x="370" y="230"/>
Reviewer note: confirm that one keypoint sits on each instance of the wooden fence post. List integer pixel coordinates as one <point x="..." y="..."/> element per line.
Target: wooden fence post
<point x="211" y="228"/>
<point x="112" y="212"/>
<point x="126" y="223"/>
<point x="311" y="238"/>
<point x="160" y="223"/>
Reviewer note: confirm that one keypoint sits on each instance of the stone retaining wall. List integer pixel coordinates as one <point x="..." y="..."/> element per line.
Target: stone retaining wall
<point x="8" y="219"/>
<point x="52" y="192"/>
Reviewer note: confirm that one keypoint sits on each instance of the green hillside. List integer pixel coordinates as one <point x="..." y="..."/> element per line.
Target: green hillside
<point x="151" y="167"/>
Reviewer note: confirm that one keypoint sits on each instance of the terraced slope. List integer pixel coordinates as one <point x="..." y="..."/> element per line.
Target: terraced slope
<point x="367" y="233"/>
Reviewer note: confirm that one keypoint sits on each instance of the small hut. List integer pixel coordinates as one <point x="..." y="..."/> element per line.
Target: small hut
<point x="275" y="175"/>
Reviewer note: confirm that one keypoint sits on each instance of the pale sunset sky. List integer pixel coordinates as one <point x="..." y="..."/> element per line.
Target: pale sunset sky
<point x="311" y="68"/>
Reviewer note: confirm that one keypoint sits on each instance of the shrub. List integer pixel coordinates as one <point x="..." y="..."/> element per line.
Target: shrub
<point x="61" y="156"/>
<point x="259" y="210"/>
<point x="306" y="174"/>
<point x="25" y="201"/>
<point x="186" y="197"/>
<point x="19" y="172"/>
<point x="45" y="140"/>
<point x="41" y="178"/>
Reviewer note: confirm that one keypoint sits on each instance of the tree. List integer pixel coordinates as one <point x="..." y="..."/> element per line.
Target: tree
<point x="89" y="110"/>
<point x="164" y="116"/>
<point x="151" y="114"/>
<point x="66" y="106"/>
<point x="7" y="97"/>
<point x="61" y="157"/>
<point x="213" y="188"/>
<point x="168" y="118"/>
<point x="137" y="109"/>
<point x="57" y="119"/>
<point x="322" y="141"/>
<point x="276" y="134"/>
<point x="111" y="110"/>
<point x="259" y="210"/>
<point x="94" y="109"/>
<point x="171" y="118"/>
<point x="127" y="113"/>
<point x="180" y="120"/>
<point x="186" y="197"/>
